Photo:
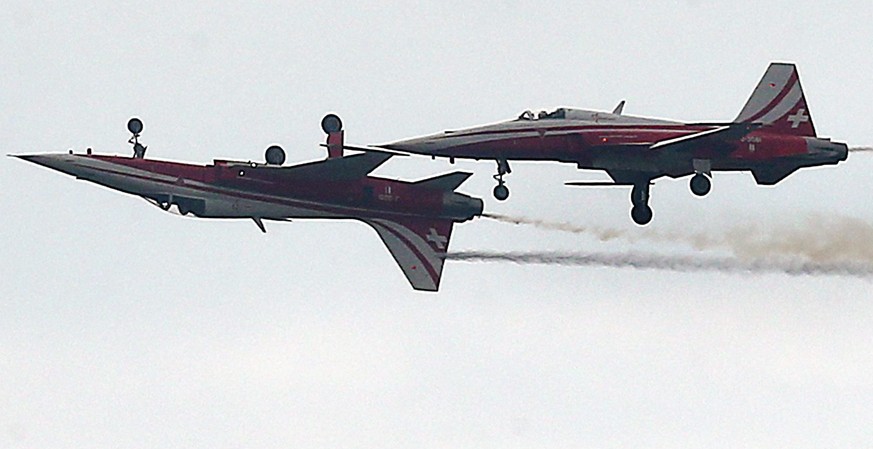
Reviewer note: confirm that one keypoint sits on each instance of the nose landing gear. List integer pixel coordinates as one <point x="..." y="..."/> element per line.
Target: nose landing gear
<point x="501" y="192"/>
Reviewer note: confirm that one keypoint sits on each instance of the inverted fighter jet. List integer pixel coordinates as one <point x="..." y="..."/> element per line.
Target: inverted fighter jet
<point x="414" y="219"/>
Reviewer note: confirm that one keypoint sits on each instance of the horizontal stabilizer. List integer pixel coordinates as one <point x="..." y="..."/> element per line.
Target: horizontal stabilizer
<point x="712" y="137"/>
<point x="370" y="149"/>
<point x="688" y="138"/>
<point x="419" y="247"/>
<point x="447" y="182"/>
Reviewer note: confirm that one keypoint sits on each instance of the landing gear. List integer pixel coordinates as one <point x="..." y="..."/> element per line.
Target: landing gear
<point x="134" y="125"/>
<point x="700" y="184"/>
<point x="641" y="213"/>
<point x="501" y="192"/>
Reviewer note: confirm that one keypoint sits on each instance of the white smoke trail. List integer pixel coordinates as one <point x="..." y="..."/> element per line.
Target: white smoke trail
<point x="671" y="263"/>
<point x="817" y="238"/>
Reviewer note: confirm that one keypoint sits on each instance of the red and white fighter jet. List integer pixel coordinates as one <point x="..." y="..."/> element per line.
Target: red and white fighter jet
<point x="414" y="219"/>
<point x="772" y="137"/>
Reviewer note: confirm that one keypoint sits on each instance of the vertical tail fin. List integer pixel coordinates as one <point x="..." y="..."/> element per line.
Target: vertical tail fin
<point x="779" y="103"/>
<point x="419" y="247"/>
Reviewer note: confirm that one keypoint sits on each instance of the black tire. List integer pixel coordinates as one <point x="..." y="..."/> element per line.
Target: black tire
<point x="642" y="214"/>
<point x="700" y="184"/>
<point x="331" y="123"/>
<point x="134" y="125"/>
<point x="501" y="192"/>
<point x="275" y="155"/>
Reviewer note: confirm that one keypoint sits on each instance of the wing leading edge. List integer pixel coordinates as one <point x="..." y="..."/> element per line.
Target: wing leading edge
<point x="418" y="245"/>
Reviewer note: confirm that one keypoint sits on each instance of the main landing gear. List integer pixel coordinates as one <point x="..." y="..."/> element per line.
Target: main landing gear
<point x="700" y="184"/>
<point x="501" y="192"/>
<point x="134" y="125"/>
<point x="641" y="213"/>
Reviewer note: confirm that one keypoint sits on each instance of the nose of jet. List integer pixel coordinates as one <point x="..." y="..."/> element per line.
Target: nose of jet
<point x="59" y="162"/>
<point x="417" y="145"/>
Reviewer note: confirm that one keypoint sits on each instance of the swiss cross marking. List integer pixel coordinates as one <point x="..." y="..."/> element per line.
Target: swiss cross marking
<point x="438" y="240"/>
<point x="797" y="119"/>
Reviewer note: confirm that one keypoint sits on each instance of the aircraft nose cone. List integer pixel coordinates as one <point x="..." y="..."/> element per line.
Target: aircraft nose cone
<point x="35" y="158"/>
<point x="419" y="145"/>
<point x="57" y="162"/>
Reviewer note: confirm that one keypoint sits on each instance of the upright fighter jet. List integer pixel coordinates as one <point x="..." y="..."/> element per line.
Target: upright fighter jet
<point x="772" y="137"/>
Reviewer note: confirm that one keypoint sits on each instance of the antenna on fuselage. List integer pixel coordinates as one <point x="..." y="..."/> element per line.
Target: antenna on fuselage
<point x="134" y="125"/>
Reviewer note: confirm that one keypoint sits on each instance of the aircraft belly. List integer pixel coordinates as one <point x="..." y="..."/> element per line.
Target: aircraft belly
<point x="635" y="159"/>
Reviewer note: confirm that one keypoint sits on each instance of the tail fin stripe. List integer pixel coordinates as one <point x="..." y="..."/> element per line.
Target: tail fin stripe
<point x="787" y="88"/>
<point x="784" y="107"/>
<point x="422" y="249"/>
<point x="407" y="256"/>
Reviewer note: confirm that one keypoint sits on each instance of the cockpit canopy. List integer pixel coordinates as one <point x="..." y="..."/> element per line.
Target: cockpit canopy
<point x="566" y="114"/>
<point x="560" y="113"/>
<point x="585" y="115"/>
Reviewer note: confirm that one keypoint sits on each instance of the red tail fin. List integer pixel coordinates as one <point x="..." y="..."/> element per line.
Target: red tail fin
<point x="419" y="246"/>
<point x="779" y="103"/>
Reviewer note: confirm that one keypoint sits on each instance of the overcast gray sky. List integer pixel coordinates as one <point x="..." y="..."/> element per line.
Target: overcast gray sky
<point x="122" y="326"/>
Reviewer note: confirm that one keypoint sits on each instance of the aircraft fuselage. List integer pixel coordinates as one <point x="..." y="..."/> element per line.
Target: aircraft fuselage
<point x="228" y="189"/>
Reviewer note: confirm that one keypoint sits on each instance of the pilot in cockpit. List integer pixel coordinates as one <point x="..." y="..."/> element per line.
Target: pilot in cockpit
<point x="559" y="113"/>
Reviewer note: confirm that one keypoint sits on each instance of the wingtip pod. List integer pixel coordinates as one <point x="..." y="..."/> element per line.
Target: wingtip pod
<point x="779" y="103"/>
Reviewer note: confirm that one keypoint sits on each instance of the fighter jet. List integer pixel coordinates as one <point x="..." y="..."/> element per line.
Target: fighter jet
<point x="414" y="219"/>
<point x="772" y="137"/>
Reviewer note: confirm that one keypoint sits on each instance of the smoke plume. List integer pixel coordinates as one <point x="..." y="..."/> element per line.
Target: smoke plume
<point x="672" y="263"/>
<point x="815" y="239"/>
<point x="860" y="149"/>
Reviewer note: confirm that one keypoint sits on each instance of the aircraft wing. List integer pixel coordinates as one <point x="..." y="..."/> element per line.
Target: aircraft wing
<point x="418" y="245"/>
<point x="711" y="137"/>
<point x="338" y="168"/>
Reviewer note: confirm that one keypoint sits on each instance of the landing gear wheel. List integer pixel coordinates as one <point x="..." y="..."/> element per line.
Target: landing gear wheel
<point x="641" y="214"/>
<point x="501" y="192"/>
<point x="183" y="208"/>
<point x="700" y="184"/>
<point x="275" y="155"/>
<point x="640" y="194"/>
<point x="331" y="123"/>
